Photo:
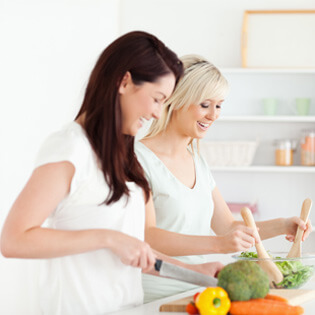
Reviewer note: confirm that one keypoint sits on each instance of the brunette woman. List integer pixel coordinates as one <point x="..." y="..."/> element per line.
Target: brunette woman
<point x="83" y="209"/>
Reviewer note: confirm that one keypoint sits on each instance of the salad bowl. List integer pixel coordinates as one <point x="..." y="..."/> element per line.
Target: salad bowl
<point x="298" y="272"/>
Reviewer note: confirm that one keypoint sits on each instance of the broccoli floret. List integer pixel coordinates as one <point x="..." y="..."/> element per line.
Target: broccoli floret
<point x="244" y="280"/>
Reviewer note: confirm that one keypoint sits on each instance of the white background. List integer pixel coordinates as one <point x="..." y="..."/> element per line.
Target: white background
<point x="47" y="51"/>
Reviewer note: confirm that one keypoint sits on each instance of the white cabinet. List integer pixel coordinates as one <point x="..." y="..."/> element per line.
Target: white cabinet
<point x="279" y="191"/>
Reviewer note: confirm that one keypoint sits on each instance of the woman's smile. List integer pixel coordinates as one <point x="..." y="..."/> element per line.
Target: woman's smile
<point x="203" y="126"/>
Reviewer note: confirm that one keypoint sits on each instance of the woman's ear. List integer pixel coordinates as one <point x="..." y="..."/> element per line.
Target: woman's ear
<point x="125" y="82"/>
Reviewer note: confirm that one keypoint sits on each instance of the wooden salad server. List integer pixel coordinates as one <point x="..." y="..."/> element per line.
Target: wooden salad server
<point x="295" y="250"/>
<point x="274" y="274"/>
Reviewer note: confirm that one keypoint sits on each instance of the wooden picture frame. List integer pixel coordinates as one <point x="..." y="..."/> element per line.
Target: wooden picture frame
<point x="278" y="39"/>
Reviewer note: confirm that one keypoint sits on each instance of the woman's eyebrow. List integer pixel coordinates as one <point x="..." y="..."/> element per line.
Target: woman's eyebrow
<point x="211" y="100"/>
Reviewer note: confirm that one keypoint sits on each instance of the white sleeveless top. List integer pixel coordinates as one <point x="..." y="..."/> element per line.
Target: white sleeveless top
<point x="96" y="282"/>
<point x="178" y="209"/>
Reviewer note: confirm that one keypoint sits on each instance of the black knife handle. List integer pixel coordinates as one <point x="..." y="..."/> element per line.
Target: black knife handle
<point x="158" y="264"/>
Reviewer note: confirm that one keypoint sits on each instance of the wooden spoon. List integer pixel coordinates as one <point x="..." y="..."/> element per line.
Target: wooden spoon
<point x="274" y="274"/>
<point x="295" y="250"/>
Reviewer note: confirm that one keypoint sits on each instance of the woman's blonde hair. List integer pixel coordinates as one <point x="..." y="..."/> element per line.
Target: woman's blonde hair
<point x="201" y="81"/>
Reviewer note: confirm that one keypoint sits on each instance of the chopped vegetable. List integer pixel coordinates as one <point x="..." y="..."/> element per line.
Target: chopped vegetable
<point x="192" y="309"/>
<point x="213" y="301"/>
<point x="249" y="254"/>
<point x="195" y="296"/>
<point x="264" y="307"/>
<point x="295" y="274"/>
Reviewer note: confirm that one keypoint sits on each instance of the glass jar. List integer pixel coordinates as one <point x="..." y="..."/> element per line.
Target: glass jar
<point x="308" y="148"/>
<point x="284" y="152"/>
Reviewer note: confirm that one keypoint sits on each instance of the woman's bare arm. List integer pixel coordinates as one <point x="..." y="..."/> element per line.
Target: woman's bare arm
<point x="24" y="237"/>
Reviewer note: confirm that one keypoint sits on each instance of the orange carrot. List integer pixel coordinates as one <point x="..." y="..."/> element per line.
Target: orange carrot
<point x="264" y="307"/>
<point x="276" y="298"/>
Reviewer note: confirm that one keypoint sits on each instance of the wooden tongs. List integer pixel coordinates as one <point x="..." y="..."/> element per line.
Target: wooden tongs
<point x="295" y="250"/>
<point x="265" y="262"/>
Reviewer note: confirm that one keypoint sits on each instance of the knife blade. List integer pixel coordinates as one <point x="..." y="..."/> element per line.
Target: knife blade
<point x="179" y="273"/>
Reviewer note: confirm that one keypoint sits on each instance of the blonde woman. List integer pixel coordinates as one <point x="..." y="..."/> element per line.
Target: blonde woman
<point x="185" y="201"/>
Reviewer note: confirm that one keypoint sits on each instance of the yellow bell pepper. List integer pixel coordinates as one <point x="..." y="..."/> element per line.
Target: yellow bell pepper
<point x="213" y="301"/>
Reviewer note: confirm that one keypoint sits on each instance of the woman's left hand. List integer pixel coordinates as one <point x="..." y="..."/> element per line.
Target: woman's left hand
<point x="291" y="225"/>
<point x="211" y="268"/>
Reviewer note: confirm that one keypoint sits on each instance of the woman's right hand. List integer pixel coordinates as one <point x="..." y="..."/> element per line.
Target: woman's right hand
<point x="132" y="251"/>
<point x="241" y="238"/>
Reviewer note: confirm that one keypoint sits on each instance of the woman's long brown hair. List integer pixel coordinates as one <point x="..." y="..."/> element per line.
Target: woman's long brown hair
<point x="147" y="59"/>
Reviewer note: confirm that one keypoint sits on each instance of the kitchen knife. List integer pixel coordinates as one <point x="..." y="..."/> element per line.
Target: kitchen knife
<point x="179" y="273"/>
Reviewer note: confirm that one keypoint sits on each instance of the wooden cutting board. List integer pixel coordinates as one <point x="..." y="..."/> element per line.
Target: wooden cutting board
<point x="295" y="297"/>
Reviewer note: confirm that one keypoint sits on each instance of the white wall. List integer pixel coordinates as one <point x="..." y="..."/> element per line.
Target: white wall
<point x="211" y="28"/>
<point x="47" y="51"/>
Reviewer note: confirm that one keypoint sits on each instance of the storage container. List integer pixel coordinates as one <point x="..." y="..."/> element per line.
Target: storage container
<point x="284" y="152"/>
<point x="308" y="148"/>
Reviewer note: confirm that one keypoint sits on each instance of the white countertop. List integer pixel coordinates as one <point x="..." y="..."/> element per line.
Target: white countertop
<point x="153" y="307"/>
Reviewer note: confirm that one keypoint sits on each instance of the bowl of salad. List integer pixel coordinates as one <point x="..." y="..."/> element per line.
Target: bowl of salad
<point x="297" y="272"/>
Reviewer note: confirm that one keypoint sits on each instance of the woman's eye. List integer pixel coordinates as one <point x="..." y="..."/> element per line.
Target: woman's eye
<point x="204" y="105"/>
<point x="218" y="106"/>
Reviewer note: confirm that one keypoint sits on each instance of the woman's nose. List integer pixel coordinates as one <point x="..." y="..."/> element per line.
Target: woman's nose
<point x="211" y="114"/>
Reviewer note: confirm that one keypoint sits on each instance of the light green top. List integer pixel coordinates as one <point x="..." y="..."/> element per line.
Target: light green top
<point x="178" y="209"/>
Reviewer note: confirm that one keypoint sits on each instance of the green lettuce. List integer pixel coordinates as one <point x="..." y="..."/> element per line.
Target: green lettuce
<point x="295" y="274"/>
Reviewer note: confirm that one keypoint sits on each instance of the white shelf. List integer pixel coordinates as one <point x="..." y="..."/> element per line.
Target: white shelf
<point x="267" y="70"/>
<point x="262" y="118"/>
<point x="265" y="168"/>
